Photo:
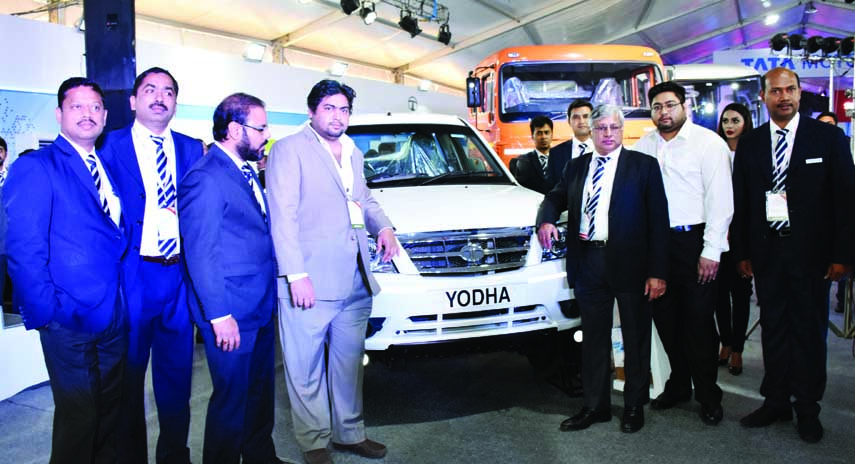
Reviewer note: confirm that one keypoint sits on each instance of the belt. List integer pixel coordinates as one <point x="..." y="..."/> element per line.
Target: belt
<point x="785" y="232"/>
<point x="688" y="228"/>
<point x="162" y="259"/>
<point x="593" y="243"/>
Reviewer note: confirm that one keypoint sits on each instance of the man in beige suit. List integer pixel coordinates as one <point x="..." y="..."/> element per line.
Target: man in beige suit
<point x="321" y="212"/>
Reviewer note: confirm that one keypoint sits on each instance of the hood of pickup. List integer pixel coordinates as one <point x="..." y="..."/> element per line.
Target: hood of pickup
<point x="458" y="207"/>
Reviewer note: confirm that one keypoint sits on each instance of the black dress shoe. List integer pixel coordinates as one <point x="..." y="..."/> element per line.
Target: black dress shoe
<point x="810" y="429"/>
<point x="765" y="416"/>
<point x="667" y="400"/>
<point x="711" y="414"/>
<point x="584" y="419"/>
<point x="632" y="420"/>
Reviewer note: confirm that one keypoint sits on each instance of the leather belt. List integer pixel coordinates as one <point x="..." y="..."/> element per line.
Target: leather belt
<point x="593" y="243"/>
<point x="688" y="228"/>
<point x="785" y="232"/>
<point x="162" y="260"/>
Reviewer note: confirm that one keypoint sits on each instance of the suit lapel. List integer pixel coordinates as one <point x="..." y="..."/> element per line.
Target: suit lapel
<point x="801" y="147"/>
<point x="621" y="177"/>
<point x="325" y="158"/>
<point x="236" y="175"/>
<point x="765" y="152"/>
<point x="78" y="167"/>
<point x="182" y="152"/>
<point x="127" y="155"/>
<point x="577" y="188"/>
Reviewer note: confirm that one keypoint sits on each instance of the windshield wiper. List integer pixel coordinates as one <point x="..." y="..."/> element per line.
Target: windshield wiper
<point x="461" y="174"/>
<point x="382" y="178"/>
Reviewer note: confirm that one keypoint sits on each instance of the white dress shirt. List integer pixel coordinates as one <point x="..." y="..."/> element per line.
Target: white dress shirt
<point x="157" y="224"/>
<point x="574" y="147"/>
<point x="696" y="171"/>
<point x="106" y="186"/>
<point x="601" y="216"/>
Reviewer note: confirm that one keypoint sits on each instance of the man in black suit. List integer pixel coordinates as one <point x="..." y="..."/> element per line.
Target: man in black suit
<point x="532" y="170"/>
<point x="617" y="248"/>
<point x="792" y="230"/>
<point x="579" y="119"/>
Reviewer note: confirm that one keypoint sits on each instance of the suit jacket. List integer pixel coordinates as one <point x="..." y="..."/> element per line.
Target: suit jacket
<point x="311" y="224"/>
<point x="64" y="251"/>
<point x="559" y="156"/>
<point x="638" y="219"/>
<point x="226" y="244"/>
<point x="526" y="169"/>
<point x="820" y="185"/>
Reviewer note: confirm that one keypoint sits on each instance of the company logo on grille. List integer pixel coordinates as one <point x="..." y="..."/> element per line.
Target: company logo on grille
<point x="472" y="253"/>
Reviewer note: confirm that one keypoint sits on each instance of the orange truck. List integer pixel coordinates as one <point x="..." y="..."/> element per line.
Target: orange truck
<point x="510" y="87"/>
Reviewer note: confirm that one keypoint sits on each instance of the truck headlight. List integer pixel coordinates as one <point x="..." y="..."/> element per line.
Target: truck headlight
<point x="559" y="247"/>
<point x="374" y="259"/>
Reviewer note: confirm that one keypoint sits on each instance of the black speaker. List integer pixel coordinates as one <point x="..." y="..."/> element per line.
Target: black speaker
<point x="111" y="55"/>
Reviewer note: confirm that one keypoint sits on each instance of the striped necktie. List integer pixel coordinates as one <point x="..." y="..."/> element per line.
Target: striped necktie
<point x="92" y="163"/>
<point x="246" y="170"/>
<point x="582" y="148"/>
<point x="166" y="195"/>
<point x="779" y="175"/>
<point x="2" y="178"/>
<point x="596" y="188"/>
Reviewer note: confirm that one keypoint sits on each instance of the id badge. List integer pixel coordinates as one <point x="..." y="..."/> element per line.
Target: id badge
<point x="355" y="212"/>
<point x="776" y="207"/>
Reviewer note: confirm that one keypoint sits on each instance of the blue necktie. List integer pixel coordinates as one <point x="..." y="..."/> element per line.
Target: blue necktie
<point x="96" y="176"/>
<point x="779" y="175"/>
<point x="246" y="170"/>
<point x="582" y="148"/>
<point x="166" y="195"/>
<point x="594" y="199"/>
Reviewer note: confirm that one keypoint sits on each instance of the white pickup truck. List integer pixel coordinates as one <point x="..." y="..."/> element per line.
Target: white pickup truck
<point x="471" y="266"/>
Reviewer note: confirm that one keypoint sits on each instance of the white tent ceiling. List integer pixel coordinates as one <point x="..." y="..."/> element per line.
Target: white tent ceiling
<point x="312" y="33"/>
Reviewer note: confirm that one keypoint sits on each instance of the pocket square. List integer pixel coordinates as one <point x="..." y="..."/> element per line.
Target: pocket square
<point x="813" y="161"/>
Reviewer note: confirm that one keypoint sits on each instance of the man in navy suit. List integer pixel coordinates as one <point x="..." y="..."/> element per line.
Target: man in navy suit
<point x="792" y="229"/>
<point x="617" y="249"/>
<point x="148" y="160"/>
<point x="231" y="265"/>
<point x="65" y="244"/>
<point x="532" y="170"/>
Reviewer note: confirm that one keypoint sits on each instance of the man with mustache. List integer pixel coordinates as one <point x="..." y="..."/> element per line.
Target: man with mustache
<point x="322" y="212"/>
<point x="695" y="165"/>
<point x="65" y="243"/>
<point x="793" y="180"/>
<point x="231" y="266"/>
<point x="148" y="160"/>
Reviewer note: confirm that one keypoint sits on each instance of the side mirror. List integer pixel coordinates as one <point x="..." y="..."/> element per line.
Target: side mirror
<point x="473" y="92"/>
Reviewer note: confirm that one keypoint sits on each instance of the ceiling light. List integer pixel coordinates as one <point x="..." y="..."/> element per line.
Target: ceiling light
<point x="409" y="23"/>
<point x="338" y="68"/>
<point x="254" y="51"/>
<point x="444" y="34"/>
<point x="766" y="3"/>
<point x="303" y="2"/>
<point x="771" y="19"/>
<point x="349" y="6"/>
<point x="810" y="8"/>
<point x="425" y="85"/>
<point x="368" y="13"/>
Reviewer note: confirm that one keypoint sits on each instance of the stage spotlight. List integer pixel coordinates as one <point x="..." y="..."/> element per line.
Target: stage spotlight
<point x="444" y="34"/>
<point x="847" y="46"/>
<point x="368" y="13"/>
<point x="797" y="42"/>
<point x="830" y="45"/>
<point x="779" y="41"/>
<point x="409" y="23"/>
<point x="349" y="6"/>
<point x="814" y="44"/>
<point x="810" y="8"/>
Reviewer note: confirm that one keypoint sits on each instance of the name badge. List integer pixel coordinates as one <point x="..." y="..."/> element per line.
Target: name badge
<point x="355" y="212"/>
<point x="813" y="161"/>
<point x="776" y="207"/>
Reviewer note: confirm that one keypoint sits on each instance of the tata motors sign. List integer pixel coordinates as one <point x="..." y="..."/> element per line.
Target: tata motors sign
<point x="763" y="60"/>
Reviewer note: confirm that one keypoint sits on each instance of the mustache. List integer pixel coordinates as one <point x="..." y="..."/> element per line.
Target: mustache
<point x="157" y="104"/>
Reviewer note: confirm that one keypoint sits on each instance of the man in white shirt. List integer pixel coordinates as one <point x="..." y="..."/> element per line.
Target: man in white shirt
<point x="695" y="165"/>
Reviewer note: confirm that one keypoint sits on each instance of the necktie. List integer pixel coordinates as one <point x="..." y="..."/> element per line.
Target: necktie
<point x="543" y="162"/>
<point x="246" y="170"/>
<point x="166" y="195"/>
<point x="594" y="198"/>
<point x="582" y="148"/>
<point x="2" y="178"/>
<point x="779" y="175"/>
<point x="96" y="176"/>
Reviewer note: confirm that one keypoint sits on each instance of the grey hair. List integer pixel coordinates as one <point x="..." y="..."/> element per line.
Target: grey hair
<point x="604" y="111"/>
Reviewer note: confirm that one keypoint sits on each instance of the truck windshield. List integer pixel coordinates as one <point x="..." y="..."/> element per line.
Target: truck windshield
<point x="708" y="98"/>
<point x="533" y="89"/>
<point x="403" y="155"/>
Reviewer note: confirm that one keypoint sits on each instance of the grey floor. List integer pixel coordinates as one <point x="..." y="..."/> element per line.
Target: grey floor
<point x="494" y="408"/>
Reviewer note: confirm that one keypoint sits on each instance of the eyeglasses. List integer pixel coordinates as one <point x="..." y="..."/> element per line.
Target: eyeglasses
<point x="612" y="128"/>
<point x="260" y="130"/>
<point x="657" y="108"/>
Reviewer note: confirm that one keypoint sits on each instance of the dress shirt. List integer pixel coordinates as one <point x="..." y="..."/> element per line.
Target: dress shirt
<point x="791" y="140"/>
<point x="574" y="147"/>
<point x="601" y="218"/>
<point x="106" y="186"/>
<point x="696" y="171"/>
<point x="155" y="223"/>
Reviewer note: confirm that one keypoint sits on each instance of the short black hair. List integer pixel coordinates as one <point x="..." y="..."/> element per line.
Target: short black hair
<point x="235" y="107"/>
<point x="829" y="114"/>
<point x="667" y="86"/>
<point x="539" y="121"/>
<point x="763" y="79"/>
<point x="3" y="145"/>
<point x="73" y="83"/>
<point x="326" y="88"/>
<point x="579" y="103"/>
<point x="154" y="70"/>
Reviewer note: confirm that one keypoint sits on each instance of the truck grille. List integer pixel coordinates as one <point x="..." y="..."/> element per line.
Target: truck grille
<point x="476" y="251"/>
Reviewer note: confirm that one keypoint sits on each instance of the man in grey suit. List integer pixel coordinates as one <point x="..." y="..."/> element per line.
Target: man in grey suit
<point x="321" y="212"/>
